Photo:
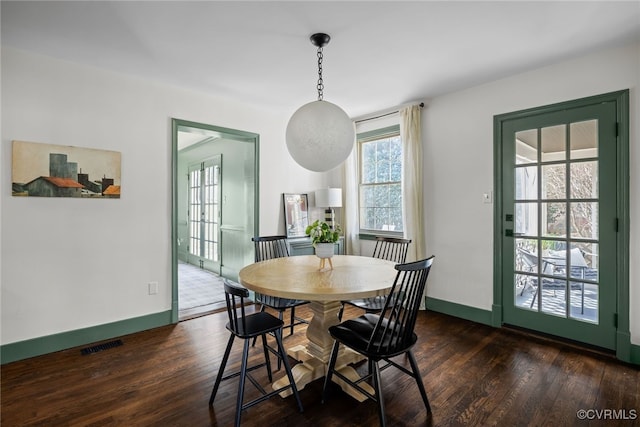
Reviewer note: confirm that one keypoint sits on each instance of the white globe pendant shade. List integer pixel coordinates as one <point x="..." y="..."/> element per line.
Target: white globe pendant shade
<point x="320" y="136"/>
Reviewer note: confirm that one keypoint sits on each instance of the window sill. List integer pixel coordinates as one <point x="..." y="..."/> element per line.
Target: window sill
<point x="370" y="235"/>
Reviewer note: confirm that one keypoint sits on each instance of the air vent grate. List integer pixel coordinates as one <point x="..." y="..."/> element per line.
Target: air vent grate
<point x="100" y="347"/>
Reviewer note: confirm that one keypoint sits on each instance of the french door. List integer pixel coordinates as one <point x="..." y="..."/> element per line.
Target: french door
<point x="559" y="222"/>
<point x="204" y="214"/>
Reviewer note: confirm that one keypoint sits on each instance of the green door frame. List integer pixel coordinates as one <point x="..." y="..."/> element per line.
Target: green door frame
<point x="621" y="100"/>
<point x="226" y="133"/>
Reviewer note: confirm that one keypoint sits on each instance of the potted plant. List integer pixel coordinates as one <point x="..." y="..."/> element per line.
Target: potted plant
<point x="323" y="239"/>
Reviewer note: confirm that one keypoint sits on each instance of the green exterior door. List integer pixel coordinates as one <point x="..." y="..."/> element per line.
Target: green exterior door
<point x="559" y="222"/>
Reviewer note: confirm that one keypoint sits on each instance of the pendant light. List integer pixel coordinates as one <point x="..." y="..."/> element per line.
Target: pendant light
<point x="320" y="134"/>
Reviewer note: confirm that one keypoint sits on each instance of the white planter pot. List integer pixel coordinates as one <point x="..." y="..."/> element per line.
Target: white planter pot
<point x="324" y="250"/>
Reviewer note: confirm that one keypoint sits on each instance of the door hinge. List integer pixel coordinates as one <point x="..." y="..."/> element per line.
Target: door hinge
<point x="615" y="320"/>
<point x="616" y="225"/>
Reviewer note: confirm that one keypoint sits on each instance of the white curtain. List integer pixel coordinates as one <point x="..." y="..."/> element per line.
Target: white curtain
<point x="410" y="132"/>
<point x="352" y="222"/>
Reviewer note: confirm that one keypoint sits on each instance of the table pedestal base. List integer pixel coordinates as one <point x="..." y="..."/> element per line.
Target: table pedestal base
<point x="311" y="368"/>
<point x="315" y="355"/>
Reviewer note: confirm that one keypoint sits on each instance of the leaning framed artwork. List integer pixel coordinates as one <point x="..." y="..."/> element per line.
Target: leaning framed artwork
<point x="296" y="214"/>
<point x="46" y="170"/>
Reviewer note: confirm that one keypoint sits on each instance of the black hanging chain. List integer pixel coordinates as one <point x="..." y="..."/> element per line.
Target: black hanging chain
<point x="320" y="85"/>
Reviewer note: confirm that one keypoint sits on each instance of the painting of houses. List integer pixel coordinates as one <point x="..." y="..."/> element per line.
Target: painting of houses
<point x="46" y="170"/>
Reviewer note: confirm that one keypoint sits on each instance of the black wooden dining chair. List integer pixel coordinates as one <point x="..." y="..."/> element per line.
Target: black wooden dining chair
<point x="390" y="249"/>
<point x="382" y="336"/>
<point x="269" y="247"/>
<point x="247" y="327"/>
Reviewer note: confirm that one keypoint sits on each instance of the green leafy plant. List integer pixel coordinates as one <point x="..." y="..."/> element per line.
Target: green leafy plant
<point x="320" y="232"/>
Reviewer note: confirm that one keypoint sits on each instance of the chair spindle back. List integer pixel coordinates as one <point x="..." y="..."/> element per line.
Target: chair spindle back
<point x="235" y="295"/>
<point x="391" y="249"/>
<point x="269" y="247"/>
<point x="395" y="326"/>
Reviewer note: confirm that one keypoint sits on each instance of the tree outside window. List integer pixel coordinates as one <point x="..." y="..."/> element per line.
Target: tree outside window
<point x="381" y="182"/>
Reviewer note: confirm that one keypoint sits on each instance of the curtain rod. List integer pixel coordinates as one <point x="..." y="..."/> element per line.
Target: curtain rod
<point x="384" y="115"/>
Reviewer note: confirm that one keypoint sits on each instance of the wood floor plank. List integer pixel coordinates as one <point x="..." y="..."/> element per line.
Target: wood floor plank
<point x="474" y="375"/>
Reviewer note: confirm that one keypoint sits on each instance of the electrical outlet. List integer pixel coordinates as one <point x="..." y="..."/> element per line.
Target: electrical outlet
<point x="153" y="288"/>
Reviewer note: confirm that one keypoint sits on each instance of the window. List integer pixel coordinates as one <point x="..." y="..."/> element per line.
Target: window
<point x="380" y="183"/>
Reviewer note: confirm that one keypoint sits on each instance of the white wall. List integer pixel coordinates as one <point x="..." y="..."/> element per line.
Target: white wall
<point x="68" y="264"/>
<point x="458" y="162"/>
<point x="74" y="263"/>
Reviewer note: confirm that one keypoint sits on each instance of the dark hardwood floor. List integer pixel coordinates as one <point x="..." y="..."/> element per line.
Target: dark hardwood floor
<point x="473" y="374"/>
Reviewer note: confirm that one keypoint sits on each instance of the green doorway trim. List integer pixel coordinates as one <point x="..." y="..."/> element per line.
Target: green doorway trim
<point x="625" y="351"/>
<point x="226" y="133"/>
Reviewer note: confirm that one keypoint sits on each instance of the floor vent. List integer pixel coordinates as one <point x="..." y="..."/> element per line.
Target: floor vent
<point x="100" y="347"/>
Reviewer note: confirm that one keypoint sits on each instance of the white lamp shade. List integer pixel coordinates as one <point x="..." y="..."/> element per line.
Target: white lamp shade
<point x="329" y="198"/>
<point x="320" y="136"/>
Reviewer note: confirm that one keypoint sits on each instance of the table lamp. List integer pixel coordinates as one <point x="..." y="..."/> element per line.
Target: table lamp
<point x="329" y="198"/>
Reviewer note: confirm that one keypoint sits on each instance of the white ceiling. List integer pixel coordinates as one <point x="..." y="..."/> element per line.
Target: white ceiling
<point x="381" y="55"/>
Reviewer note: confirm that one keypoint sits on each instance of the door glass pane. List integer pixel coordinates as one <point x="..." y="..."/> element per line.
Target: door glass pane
<point x="526" y="183"/>
<point x="584" y="301"/>
<point x="526" y="219"/>
<point x="527" y="146"/>
<point x="554" y="219"/>
<point x="529" y="245"/>
<point x="554" y="181"/>
<point x="584" y="180"/>
<point x="553" y="297"/>
<point x="590" y="254"/>
<point x="526" y="255"/>
<point x="554" y="258"/>
<point x="584" y="220"/>
<point x="526" y="278"/>
<point x="554" y="145"/>
<point x="195" y="241"/>
<point x="584" y="139"/>
<point x="525" y="290"/>
<point x="578" y="264"/>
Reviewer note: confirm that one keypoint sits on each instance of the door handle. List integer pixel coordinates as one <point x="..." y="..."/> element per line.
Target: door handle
<point x="509" y="233"/>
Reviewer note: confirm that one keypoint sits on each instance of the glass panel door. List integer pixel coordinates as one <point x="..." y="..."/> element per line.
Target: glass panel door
<point x="204" y="214"/>
<point x="561" y="229"/>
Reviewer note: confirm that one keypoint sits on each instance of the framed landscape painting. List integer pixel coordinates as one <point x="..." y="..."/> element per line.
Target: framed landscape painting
<point x="46" y="170"/>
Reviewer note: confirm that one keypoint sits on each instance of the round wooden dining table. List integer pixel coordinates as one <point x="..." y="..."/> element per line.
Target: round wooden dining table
<point x="300" y="277"/>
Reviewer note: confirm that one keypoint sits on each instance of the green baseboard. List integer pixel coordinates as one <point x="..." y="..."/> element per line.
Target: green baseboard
<point x="627" y="352"/>
<point x="48" y="344"/>
<point x="635" y="354"/>
<point x="458" y="310"/>
<point x="62" y="341"/>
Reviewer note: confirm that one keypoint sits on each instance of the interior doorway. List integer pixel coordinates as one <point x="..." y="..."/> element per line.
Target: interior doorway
<point x="214" y="204"/>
